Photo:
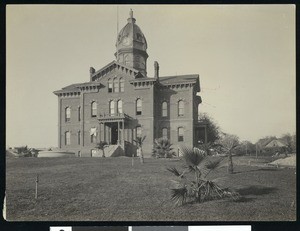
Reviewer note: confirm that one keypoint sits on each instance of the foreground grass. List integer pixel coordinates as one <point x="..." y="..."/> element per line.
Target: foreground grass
<point x="110" y="189"/>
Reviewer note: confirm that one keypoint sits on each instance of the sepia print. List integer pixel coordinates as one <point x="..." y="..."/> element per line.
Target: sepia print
<point x="150" y="113"/>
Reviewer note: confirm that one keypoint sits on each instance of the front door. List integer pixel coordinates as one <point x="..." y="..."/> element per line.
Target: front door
<point x="114" y="133"/>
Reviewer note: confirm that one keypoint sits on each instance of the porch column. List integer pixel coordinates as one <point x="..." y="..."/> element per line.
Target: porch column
<point x="104" y="133"/>
<point x="118" y="132"/>
<point x="123" y="132"/>
<point x="205" y="131"/>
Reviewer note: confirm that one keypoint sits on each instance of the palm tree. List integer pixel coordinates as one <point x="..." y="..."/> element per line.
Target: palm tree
<point x="139" y="142"/>
<point x="162" y="148"/>
<point x="200" y="188"/>
<point x="228" y="143"/>
<point x="102" y="145"/>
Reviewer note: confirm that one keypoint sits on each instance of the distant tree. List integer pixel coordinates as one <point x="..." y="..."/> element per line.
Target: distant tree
<point x="228" y="143"/>
<point x="288" y="140"/>
<point x="245" y="147"/>
<point x="162" y="148"/>
<point x="139" y="142"/>
<point x="212" y="129"/>
<point x="101" y="146"/>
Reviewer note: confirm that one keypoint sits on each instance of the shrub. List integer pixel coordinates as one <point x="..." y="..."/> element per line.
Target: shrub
<point x="162" y="148"/>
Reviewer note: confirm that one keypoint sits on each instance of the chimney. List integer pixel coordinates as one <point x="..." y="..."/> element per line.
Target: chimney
<point x="92" y="71"/>
<point x="156" y="70"/>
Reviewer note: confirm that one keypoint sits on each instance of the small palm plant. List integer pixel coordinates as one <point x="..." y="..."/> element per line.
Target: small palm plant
<point x="228" y="143"/>
<point x="162" y="148"/>
<point x="102" y="145"/>
<point x="193" y="182"/>
<point x="139" y="142"/>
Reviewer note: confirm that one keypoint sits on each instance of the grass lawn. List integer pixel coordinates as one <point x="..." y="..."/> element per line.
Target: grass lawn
<point x="110" y="189"/>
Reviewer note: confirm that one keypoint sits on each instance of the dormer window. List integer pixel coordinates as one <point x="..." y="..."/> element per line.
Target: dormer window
<point x="116" y="85"/>
<point x="121" y="85"/>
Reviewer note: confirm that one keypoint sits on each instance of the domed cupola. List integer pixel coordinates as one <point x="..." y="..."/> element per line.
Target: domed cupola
<point x="131" y="46"/>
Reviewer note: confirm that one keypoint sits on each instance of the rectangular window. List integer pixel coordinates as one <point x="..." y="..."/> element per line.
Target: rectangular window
<point x="180" y="134"/>
<point x="121" y="85"/>
<point x="78" y="137"/>
<point x="93" y="139"/>
<point x="181" y="108"/>
<point x="93" y="134"/>
<point x="138" y="131"/>
<point x="94" y="109"/>
<point x="139" y="107"/>
<point x="79" y="113"/>
<point x="67" y="138"/>
<point x="67" y="114"/>
<point x="110" y="87"/>
<point x="165" y="133"/>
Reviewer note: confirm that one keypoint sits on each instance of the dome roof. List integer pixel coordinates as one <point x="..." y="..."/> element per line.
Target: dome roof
<point x="132" y="32"/>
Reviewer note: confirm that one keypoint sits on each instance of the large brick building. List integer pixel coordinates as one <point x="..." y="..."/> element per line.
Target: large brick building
<point x="120" y="102"/>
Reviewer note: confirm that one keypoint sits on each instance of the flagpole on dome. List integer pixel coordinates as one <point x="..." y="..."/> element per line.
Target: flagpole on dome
<point x="117" y="31"/>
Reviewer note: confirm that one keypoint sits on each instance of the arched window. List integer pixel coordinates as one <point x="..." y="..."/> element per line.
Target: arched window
<point x="110" y="85"/>
<point x="116" y="85"/>
<point x="112" y="108"/>
<point x="94" y="109"/>
<point x="67" y="138"/>
<point x="121" y="85"/>
<point x="79" y="113"/>
<point x="67" y="114"/>
<point x="180" y="108"/>
<point x="78" y="137"/>
<point x="180" y="134"/>
<point x="164" y="108"/>
<point x="165" y="133"/>
<point x="120" y="107"/>
<point x="139" y="131"/>
<point x="139" y="107"/>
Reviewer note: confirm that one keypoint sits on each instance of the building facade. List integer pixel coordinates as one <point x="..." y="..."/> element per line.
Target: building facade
<point x="120" y="103"/>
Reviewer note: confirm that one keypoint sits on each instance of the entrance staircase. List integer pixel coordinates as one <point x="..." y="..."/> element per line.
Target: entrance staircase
<point x="114" y="150"/>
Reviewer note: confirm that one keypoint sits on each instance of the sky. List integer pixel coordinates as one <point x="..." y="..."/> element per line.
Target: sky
<point x="244" y="55"/>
